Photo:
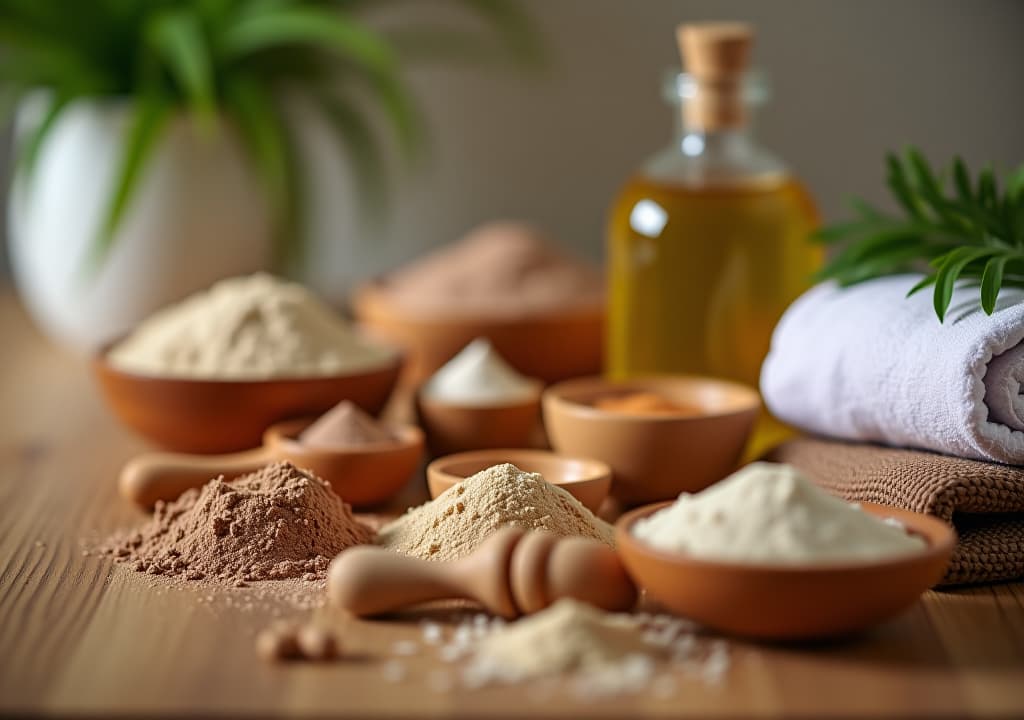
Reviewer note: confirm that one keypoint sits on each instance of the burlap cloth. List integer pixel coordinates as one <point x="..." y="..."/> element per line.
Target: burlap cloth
<point x="983" y="501"/>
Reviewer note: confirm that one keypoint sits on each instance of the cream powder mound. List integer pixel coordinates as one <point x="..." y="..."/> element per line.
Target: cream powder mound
<point x="771" y="513"/>
<point x="502" y="268"/>
<point x="277" y="523"/>
<point x="344" y="426"/>
<point x="478" y="375"/>
<point x="454" y="523"/>
<point x="252" y="327"/>
<point x="567" y="636"/>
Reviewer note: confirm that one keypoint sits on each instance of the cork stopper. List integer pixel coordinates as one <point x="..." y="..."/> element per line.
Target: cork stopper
<point x="716" y="55"/>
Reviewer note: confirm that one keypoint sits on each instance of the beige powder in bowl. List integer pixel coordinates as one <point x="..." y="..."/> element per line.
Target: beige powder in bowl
<point x="247" y="328"/>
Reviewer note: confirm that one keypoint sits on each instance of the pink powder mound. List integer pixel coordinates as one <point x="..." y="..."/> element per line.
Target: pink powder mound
<point x="501" y="268"/>
<point x="277" y="523"/>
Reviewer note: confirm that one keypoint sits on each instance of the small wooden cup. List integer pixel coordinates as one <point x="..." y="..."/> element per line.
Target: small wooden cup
<point x="454" y="427"/>
<point x="657" y="456"/>
<point x="585" y="479"/>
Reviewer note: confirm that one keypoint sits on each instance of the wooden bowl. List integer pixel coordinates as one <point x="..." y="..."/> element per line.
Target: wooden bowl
<point x="452" y="428"/>
<point x="654" y="457"/>
<point x="586" y="480"/>
<point x="363" y="477"/>
<point x="788" y="602"/>
<point x="549" y="346"/>
<point x="216" y="416"/>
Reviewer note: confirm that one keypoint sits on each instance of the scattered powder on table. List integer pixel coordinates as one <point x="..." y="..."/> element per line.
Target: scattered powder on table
<point x="500" y="267"/>
<point x="568" y="646"/>
<point x="454" y="523"/>
<point x="253" y="327"/>
<point x="478" y="375"/>
<point x="771" y="513"/>
<point x="274" y="524"/>
<point x="345" y="426"/>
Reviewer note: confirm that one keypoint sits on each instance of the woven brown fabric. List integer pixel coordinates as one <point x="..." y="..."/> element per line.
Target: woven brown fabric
<point x="983" y="501"/>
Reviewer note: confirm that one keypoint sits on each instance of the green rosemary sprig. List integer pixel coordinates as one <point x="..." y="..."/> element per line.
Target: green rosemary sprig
<point x="971" y="233"/>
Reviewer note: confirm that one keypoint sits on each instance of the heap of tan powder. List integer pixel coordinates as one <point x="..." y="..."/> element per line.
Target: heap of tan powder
<point x="277" y="523"/>
<point x="453" y="524"/>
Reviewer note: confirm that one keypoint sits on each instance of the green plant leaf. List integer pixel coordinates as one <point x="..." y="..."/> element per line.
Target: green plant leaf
<point x="948" y="273"/>
<point x="149" y="116"/>
<point x="352" y="130"/>
<point x="1015" y="185"/>
<point x="308" y="26"/>
<point x="515" y="26"/>
<point x="177" y="37"/>
<point x="265" y="134"/>
<point x="926" y="281"/>
<point x="29" y="154"/>
<point x="992" y="282"/>
<point x="900" y="187"/>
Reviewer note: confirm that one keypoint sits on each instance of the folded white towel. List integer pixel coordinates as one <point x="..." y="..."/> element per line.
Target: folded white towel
<point x="865" y="363"/>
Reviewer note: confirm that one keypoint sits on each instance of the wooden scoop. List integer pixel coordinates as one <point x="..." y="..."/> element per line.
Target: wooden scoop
<point x="514" y="572"/>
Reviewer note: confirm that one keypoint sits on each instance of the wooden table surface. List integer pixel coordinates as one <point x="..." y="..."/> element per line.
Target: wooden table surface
<point x="81" y="636"/>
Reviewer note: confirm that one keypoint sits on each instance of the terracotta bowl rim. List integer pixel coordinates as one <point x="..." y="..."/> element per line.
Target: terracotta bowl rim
<point x="394" y="364"/>
<point x="534" y="399"/>
<point x="553" y="396"/>
<point x="597" y="470"/>
<point x="912" y="520"/>
<point x="282" y="434"/>
<point x="370" y="293"/>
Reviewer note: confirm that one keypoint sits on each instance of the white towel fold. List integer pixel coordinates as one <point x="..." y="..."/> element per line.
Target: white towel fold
<point x="866" y="363"/>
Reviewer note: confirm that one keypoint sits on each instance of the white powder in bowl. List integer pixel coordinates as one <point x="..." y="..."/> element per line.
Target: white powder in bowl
<point x="478" y="375"/>
<point x="247" y="328"/>
<point x="771" y="513"/>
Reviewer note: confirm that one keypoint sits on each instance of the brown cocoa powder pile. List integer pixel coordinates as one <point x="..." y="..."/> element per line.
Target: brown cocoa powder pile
<point x="278" y="523"/>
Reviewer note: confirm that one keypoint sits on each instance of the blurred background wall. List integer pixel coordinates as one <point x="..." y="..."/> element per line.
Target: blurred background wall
<point x="850" y="81"/>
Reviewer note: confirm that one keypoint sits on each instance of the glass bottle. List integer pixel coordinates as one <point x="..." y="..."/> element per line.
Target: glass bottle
<point x="708" y="240"/>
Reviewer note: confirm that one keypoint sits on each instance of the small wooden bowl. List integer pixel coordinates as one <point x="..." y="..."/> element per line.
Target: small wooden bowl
<point x="586" y="480"/>
<point x="363" y="477"/>
<point x="549" y="346"/>
<point x="788" y="602"/>
<point x="452" y="428"/>
<point x="217" y="416"/>
<point x="654" y="457"/>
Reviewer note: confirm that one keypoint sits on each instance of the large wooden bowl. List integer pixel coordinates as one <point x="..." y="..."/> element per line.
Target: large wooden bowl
<point x="218" y="416"/>
<point x="788" y="602"/>
<point x="654" y="457"/>
<point x="549" y="346"/>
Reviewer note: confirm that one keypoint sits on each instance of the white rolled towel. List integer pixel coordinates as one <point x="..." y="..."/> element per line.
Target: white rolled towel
<point x="867" y="363"/>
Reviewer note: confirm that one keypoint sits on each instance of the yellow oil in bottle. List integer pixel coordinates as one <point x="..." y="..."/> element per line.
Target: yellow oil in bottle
<point x="699" y="276"/>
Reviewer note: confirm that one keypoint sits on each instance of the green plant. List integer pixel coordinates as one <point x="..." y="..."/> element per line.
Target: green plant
<point x="973" y="232"/>
<point x="240" y="63"/>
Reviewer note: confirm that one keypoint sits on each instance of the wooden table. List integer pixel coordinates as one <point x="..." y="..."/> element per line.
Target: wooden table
<point x="80" y="636"/>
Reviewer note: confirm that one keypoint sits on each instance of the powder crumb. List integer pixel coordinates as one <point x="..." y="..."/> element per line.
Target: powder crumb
<point x="275" y="524"/>
<point x="394" y="671"/>
<point x="493" y="498"/>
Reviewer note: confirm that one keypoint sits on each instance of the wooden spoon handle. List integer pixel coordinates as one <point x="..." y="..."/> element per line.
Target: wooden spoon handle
<point x="165" y="476"/>
<point x="372" y="581"/>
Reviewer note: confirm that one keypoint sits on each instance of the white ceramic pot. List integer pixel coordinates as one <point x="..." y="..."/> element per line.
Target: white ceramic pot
<point x="198" y="215"/>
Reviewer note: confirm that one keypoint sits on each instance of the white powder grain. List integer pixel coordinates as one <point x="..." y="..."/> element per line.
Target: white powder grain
<point x="454" y="524"/>
<point x="771" y="513"/>
<point x="252" y="327"/>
